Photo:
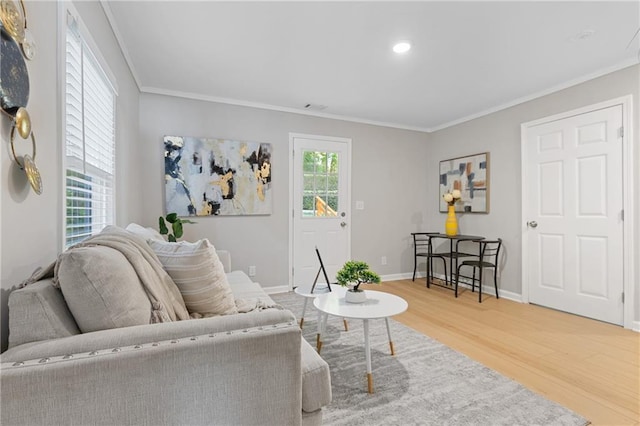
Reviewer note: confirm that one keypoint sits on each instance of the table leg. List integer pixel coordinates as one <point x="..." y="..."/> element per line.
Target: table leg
<point x="346" y="326"/>
<point x="428" y="263"/>
<point x="386" y="320"/>
<point x="451" y="261"/>
<point x="367" y="350"/>
<point x="319" y="331"/>
<point x="304" y="309"/>
<point x="322" y="324"/>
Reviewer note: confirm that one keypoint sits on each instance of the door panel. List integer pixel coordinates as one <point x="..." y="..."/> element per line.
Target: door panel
<point x="592" y="186"/>
<point x="551" y="261"/>
<point x="551" y="178"/>
<point x="592" y="266"/>
<point x="574" y="175"/>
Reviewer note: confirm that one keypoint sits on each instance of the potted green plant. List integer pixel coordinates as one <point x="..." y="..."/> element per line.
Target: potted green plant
<point x="352" y="274"/>
<point x="176" y="226"/>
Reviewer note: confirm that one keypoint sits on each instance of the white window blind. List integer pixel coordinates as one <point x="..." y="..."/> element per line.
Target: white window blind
<point x="89" y="142"/>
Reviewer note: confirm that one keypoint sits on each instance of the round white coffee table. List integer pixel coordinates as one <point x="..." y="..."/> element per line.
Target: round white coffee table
<point x="320" y="289"/>
<point x="377" y="305"/>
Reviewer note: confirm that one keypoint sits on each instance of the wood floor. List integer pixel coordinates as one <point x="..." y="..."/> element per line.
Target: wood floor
<point x="585" y="365"/>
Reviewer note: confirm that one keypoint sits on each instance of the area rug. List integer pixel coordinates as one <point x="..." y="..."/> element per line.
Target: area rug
<point x="425" y="383"/>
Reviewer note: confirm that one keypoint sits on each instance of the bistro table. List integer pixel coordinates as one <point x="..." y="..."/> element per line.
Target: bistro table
<point x="453" y="254"/>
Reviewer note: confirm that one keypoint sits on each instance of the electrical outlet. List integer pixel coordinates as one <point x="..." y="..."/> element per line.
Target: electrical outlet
<point x="383" y="260"/>
<point x="252" y="271"/>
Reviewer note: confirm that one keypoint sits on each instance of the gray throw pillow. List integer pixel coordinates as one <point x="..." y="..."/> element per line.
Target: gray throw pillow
<point x="102" y="289"/>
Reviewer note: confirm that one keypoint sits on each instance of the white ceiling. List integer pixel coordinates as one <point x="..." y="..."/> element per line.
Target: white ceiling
<point x="468" y="58"/>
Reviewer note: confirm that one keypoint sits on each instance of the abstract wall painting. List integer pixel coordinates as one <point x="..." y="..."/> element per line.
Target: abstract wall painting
<point x="217" y="177"/>
<point x="470" y="175"/>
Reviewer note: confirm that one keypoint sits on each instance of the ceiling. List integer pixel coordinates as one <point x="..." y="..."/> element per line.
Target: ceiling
<point x="468" y="58"/>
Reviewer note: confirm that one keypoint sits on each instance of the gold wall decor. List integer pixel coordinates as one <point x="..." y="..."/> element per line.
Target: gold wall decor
<point x="16" y="44"/>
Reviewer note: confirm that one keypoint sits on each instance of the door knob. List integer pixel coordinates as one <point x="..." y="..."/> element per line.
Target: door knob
<point x="343" y="224"/>
<point x="532" y="224"/>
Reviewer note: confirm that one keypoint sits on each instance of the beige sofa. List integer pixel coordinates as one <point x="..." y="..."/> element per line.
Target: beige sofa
<point x="245" y="368"/>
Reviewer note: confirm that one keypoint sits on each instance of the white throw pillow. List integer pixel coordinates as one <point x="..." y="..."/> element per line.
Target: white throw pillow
<point x="102" y="289"/>
<point x="146" y="233"/>
<point x="199" y="274"/>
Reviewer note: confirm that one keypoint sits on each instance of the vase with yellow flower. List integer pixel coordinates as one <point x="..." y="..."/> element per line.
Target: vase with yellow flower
<point x="451" y="224"/>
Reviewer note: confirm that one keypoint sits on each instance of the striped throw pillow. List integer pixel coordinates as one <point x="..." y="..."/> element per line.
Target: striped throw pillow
<point x="199" y="274"/>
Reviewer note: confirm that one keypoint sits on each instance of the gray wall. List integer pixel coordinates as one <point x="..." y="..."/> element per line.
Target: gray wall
<point x="31" y="224"/>
<point x="388" y="174"/>
<point x="394" y="171"/>
<point x="499" y="133"/>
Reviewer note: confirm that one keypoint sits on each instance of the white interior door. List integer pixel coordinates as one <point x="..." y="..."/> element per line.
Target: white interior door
<point x="574" y="178"/>
<point x="321" y="207"/>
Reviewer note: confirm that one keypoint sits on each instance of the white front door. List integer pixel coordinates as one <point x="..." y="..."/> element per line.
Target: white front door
<point x="574" y="200"/>
<point x="321" y="206"/>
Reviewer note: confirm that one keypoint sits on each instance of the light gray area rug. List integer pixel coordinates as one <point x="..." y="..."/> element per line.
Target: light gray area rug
<point x="425" y="383"/>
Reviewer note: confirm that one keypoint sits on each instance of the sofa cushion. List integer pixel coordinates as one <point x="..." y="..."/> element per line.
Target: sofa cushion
<point x="316" y="379"/>
<point x="243" y="288"/>
<point x="102" y="289"/>
<point x="199" y="274"/>
<point x="39" y="312"/>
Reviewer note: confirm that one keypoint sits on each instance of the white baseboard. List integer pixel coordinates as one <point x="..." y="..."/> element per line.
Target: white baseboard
<point x="636" y="326"/>
<point x="276" y="289"/>
<point x="488" y="289"/>
<point x="395" y="277"/>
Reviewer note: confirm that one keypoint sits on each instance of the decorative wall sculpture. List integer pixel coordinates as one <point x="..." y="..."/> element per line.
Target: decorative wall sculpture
<point x="16" y="45"/>
<point x="219" y="177"/>
<point x="470" y="175"/>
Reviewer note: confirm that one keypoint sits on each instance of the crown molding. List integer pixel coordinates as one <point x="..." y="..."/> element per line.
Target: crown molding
<point x="116" y="32"/>
<point x="574" y="82"/>
<point x="251" y="104"/>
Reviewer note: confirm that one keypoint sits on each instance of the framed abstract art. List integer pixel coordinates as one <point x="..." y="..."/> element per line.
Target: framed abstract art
<point x="217" y="177"/>
<point x="469" y="175"/>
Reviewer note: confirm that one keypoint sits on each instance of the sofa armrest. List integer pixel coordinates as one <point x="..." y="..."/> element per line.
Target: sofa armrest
<point x="38" y="312"/>
<point x="250" y="376"/>
<point x="144" y="334"/>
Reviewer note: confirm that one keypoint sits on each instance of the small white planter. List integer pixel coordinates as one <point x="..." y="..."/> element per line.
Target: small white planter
<point x="352" y="296"/>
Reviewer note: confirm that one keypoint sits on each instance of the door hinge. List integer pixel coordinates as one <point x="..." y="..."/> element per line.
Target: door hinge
<point x="621" y="132"/>
<point x="623" y="297"/>
<point x="293" y="212"/>
<point x="292" y="270"/>
<point x="622" y="215"/>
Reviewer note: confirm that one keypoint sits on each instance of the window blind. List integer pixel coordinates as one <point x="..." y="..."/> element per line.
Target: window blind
<point x="89" y="142"/>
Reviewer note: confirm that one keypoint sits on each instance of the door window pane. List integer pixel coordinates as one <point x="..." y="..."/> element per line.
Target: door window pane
<point x="332" y="183"/>
<point x="321" y="184"/>
<point x="308" y="182"/>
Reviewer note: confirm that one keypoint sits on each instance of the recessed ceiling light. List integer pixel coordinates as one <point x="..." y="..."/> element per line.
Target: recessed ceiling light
<point x="402" y="47"/>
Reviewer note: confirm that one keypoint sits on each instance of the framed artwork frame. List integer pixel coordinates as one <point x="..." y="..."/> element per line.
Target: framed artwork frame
<point x="469" y="175"/>
<point x="217" y="177"/>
